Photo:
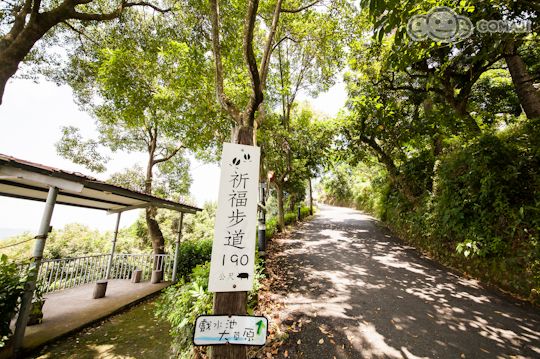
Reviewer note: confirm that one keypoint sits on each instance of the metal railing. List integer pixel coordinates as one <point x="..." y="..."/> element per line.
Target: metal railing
<point x="58" y="274"/>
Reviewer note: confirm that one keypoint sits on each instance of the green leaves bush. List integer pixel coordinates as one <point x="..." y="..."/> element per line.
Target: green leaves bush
<point x="13" y="279"/>
<point x="477" y="205"/>
<point x="182" y="303"/>
<point x="191" y="254"/>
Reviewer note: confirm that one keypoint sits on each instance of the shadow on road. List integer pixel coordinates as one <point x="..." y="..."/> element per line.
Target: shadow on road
<point x="376" y="297"/>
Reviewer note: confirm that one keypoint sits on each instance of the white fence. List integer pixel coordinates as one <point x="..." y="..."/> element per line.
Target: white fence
<point x="58" y="274"/>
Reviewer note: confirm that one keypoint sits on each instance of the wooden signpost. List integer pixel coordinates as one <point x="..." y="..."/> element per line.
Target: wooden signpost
<point x="233" y="252"/>
<point x="230" y="300"/>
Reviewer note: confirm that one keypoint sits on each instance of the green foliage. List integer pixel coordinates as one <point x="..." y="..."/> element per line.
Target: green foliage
<point x="479" y="201"/>
<point x="191" y="254"/>
<point x="488" y="196"/>
<point x="13" y="279"/>
<point x="182" y="303"/>
<point x="76" y="240"/>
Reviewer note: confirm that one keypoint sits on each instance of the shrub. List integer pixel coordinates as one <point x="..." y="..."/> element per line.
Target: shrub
<point x="182" y="303"/>
<point x="191" y="254"/>
<point x="13" y="279"/>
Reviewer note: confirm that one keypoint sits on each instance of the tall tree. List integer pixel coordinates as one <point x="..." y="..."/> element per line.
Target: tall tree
<point x="296" y="153"/>
<point x="252" y="114"/>
<point x="145" y="93"/>
<point x="308" y="58"/>
<point x="25" y="22"/>
<point x="452" y="69"/>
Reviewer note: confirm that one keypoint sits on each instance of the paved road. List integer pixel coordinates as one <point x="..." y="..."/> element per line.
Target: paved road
<point x="379" y="298"/>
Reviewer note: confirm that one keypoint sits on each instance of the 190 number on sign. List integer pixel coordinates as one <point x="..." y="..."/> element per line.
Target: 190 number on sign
<point x="242" y="260"/>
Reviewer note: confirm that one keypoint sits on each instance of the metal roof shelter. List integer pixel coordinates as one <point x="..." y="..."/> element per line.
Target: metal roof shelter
<point x="27" y="180"/>
<point x="32" y="181"/>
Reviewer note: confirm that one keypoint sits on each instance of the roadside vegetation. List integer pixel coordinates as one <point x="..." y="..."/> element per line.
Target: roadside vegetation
<point x="439" y="137"/>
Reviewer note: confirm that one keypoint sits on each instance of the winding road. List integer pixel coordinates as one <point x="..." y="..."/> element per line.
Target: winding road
<point x="356" y="291"/>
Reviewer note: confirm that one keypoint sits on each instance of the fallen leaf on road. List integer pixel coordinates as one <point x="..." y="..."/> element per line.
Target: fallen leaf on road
<point x="483" y="350"/>
<point x="415" y="336"/>
<point x="333" y="342"/>
<point x="308" y="321"/>
<point x="343" y="346"/>
<point x="350" y="337"/>
<point x="268" y="355"/>
<point x="321" y="341"/>
<point x="392" y="321"/>
<point x="345" y="328"/>
<point x="299" y="342"/>
<point x="431" y="315"/>
<point x="114" y="338"/>
<point x="463" y="355"/>
<point x="323" y="331"/>
<point x="498" y="312"/>
<point x="286" y="355"/>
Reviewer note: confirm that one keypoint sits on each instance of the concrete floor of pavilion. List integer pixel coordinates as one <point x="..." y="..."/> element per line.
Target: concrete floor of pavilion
<point x="70" y="310"/>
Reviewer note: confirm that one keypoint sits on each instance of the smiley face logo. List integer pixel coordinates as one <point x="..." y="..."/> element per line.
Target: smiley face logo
<point x="417" y="27"/>
<point x="465" y="27"/>
<point x="440" y="24"/>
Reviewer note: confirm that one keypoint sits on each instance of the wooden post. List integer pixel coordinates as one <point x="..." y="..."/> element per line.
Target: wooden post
<point x="100" y="289"/>
<point x="232" y="303"/>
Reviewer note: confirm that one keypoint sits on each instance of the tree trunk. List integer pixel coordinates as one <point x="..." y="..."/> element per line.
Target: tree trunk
<point x="13" y="52"/>
<point x="232" y="303"/>
<point x="281" y="215"/>
<point x="523" y="85"/>
<point x="154" y="232"/>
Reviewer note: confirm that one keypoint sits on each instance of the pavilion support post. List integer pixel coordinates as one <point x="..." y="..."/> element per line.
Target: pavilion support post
<point x="108" y="276"/>
<point x="175" y="267"/>
<point x="41" y="238"/>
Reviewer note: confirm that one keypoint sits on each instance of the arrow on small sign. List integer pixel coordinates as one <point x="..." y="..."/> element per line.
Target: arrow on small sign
<point x="259" y="324"/>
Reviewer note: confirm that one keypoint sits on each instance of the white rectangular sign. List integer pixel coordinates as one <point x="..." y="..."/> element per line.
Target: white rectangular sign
<point x="233" y="251"/>
<point x="236" y="329"/>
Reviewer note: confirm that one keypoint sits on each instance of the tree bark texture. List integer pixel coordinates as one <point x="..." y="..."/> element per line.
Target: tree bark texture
<point x="154" y="232"/>
<point x="523" y="85"/>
